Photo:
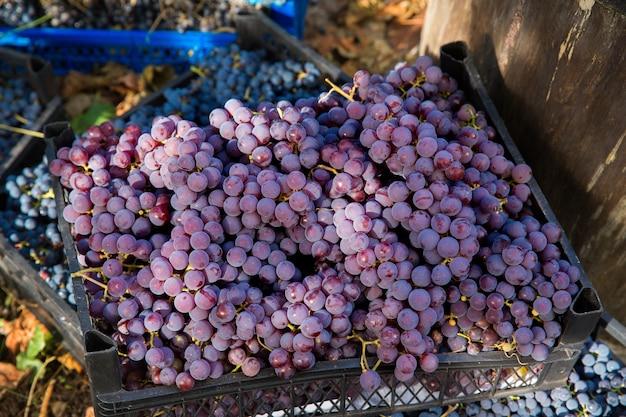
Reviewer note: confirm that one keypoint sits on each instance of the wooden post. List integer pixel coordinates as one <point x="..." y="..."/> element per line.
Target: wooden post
<point x="557" y="73"/>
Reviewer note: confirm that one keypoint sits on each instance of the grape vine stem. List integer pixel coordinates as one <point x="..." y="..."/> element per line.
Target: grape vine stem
<point x="450" y="410"/>
<point x="22" y="131"/>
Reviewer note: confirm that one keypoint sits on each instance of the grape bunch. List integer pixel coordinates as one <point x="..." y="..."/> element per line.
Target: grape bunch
<point x="17" y="12"/>
<point x="230" y="72"/>
<point x="19" y="108"/>
<point x="381" y="219"/>
<point x="267" y="3"/>
<point x="595" y="387"/>
<point x="180" y="15"/>
<point x="29" y="221"/>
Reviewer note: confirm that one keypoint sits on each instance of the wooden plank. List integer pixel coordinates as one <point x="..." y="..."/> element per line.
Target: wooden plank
<point x="556" y="71"/>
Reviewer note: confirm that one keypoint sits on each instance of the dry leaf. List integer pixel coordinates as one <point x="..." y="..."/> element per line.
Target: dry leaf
<point x="10" y="376"/>
<point x="45" y="403"/>
<point x="109" y="76"/>
<point x="115" y="84"/>
<point x="70" y="363"/>
<point x="78" y="104"/>
<point x="59" y="408"/>
<point x="89" y="412"/>
<point x="370" y="34"/>
<point x="20" y="331"/>
<point x="154" y="77"/>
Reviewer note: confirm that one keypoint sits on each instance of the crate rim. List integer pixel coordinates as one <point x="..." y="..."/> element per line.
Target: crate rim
<point x="118" y="37"/>
<point x="232" y="383"/>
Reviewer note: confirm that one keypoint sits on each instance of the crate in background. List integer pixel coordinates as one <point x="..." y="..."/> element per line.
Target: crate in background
<point x="291" y="16"/>
<point x="80" y="49"/>
<point x="17" y="275"/>
<point x="256" y="31"/>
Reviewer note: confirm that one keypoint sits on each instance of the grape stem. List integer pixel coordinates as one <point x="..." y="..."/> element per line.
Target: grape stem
<point x="21" y="245"/>
<point x="198" y="71"/>
<point x="364" y="344"/>
<point x="464" y="336"/>
<point x="133" y="266"/>
<point x="516" y="356"/>
<point x="450" y="410"/>
<point x="21" y="119"/>
<point x="327" y="168"/>
<point x="506" y="347"/>
<point x="263" y="345"/>
<point x="92" y="280"/>
<point x="419" y="81"/>
<point x="584" y="411"/>
<point x="88" y="270"/>
<point x="22" y="131"/>
<point x="338" y="90"/>
<point x="48" y="194"/>
<point x="39" y="21"/>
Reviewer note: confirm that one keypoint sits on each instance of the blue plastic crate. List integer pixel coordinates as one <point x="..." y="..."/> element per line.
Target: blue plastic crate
<point x="81" y="49"/>
<point x="290" y="16"/>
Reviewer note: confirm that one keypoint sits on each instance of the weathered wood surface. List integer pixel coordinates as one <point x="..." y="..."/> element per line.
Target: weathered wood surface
<point x="557" y="73"/>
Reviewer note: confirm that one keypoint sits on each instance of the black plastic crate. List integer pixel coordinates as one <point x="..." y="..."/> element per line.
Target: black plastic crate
<point x="333" y="387"/>
<point x="17" y="275"/>
<point x="39" y="75"/>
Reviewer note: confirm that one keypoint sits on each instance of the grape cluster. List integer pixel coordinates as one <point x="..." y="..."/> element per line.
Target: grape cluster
<point x="171" y="14"/>
<point x="595" y="387"/>
<point x="230" y="72"/>
<point x="17" y="12"/>
<point x="267" y="3"/>
<point x="180" y="15"/>
<point x="19" y="107"/>
<point x="29" y="222"/>
<point x="380" y="219"/>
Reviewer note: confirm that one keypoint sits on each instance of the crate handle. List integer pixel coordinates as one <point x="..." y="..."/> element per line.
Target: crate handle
<point x="456" y="51"/>
<point x="42" y="78"/>
<point x="101" y="354"/>
<point x="582" y="317"/>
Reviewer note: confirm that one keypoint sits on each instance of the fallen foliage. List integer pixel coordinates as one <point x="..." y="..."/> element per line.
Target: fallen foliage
<point x="371" y="34"/>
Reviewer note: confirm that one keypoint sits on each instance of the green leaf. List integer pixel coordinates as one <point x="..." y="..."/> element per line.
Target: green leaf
<point x="36" y="344"/>
<point x="23" y="363"/>
<point x="98" y="112"/>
